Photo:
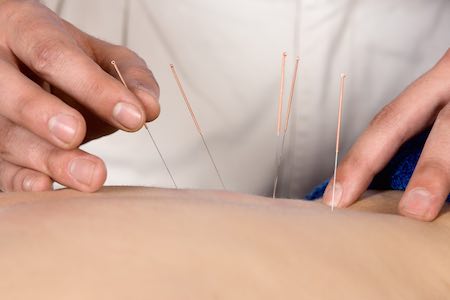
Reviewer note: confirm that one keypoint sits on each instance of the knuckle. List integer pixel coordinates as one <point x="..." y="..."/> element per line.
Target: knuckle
<point x="94" y="87"/>
<point x="27" y="110"/>
<point x="386" y="115"/>
<point x="437" y="165"/>
<point x="389" y="119"/>
<point x="45" y="55"/>
<point x="358" y="163"/>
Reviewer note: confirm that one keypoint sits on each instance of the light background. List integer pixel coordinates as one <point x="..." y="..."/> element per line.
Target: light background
<point x="228" y="54"/>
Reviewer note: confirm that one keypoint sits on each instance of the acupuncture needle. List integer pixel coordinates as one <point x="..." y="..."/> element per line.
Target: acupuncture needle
<point x="280" y="116"/>
<point x="148" y="130"/>
<point x="286" y="127"/>
<point x="197" y="125"/>
<point x="338" y="136"/>
<point x="281" y="94"/>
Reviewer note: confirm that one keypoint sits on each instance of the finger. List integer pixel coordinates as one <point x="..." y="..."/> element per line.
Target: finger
<point x="18" y="179"/>
<point x="46" y="47"/>
<point x="138" y="77"/>
<point x="28" y="105"/>
<point x="410" y="113"/>
<point x="429" y="186"/>
<point x="72" y="168"/>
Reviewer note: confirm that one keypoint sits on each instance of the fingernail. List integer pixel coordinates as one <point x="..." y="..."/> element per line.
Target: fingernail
<point x="328" y="197"/>
<point x="27" y="184"/>
<point x="63" y="127"/>
<point x="82" y="170"/>
<point x="418" y="202"/>
<point x="128" y="115"/>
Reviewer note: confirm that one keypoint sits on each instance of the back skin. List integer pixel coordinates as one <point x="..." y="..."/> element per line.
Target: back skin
<point x="144" y="243"/>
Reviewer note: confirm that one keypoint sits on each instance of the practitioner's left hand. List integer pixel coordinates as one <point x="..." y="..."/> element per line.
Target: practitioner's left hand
<point x="425" y="102"/>
<point x="58" y="91"/>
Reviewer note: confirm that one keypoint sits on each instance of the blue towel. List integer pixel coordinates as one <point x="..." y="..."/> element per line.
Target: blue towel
<point x="396" y="174"/>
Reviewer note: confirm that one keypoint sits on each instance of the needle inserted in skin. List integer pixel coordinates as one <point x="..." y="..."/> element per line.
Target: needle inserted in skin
<point x="148" y="130"/>
<point x="197" y="125"/>
<point x="286" y="127"/>
<point x="338" y="137"/>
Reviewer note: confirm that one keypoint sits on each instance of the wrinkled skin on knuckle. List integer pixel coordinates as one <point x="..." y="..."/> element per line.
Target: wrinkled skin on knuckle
<point x="385" y="117"/>
<point x="25" y="109"/>
<point x="357" y="163"/>
<point x="438" y="167"/>
<point x="95" y="88"/>
<point x="36" y="30"/>
<point x="388" y="119"/>
<point x="45" y="55"/>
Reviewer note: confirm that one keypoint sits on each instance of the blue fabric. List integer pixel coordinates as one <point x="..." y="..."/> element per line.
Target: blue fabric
<point x="396" y="174"/>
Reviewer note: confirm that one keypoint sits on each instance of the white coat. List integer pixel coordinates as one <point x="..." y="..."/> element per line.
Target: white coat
<point x="228" y="54"/>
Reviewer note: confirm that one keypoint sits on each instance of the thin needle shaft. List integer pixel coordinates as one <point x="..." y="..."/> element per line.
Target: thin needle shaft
<point x="197" y="125"/>
<point x="162" y="158"/>
<point x="291" y="98"/>
<point x="338" y="136"/>
<point x="148" y="130"/>
<point x="281" y="95"/>
<point x="119" y="73"/>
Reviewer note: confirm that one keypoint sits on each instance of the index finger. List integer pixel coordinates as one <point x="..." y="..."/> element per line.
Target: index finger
<point x="136" y="74"/>
<point x="40" y="40"/>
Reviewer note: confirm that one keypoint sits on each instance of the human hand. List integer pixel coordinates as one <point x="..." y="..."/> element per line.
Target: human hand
<point x="426" y="102"/>
<point x="56" y="93"/>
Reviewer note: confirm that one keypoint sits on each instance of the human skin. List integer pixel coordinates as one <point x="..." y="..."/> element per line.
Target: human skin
<point x="58" y="91"/>
<point x="141" y="243"/>
<point x="426" y="102"/>
<point x="86" y="103"/>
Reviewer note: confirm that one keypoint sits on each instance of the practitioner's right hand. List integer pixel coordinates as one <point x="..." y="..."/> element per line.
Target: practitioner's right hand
<point x="42" y="128"/>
